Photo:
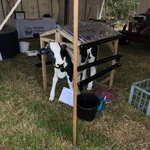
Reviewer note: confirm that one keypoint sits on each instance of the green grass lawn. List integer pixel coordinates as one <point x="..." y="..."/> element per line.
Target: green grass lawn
<point x="28" y="121"/>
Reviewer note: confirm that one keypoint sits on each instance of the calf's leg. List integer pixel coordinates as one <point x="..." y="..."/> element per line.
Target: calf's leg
<point x="55" y="79"/>
<point x="92" y="69"/>
<point x="84" y="74"/>
<point x="70" y="83"/>
<point x="92" y="72"/>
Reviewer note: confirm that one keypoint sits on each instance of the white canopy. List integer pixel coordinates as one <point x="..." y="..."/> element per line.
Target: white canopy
<point x="143" y="6"/>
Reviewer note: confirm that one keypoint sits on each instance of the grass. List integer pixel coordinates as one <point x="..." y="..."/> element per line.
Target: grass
<point x="28" y="121"/>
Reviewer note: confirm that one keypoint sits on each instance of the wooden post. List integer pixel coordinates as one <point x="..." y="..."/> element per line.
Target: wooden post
<point x="113" y="62"/>
<point x="38" y="7"/>
<point x="43" y="61"/>
<point x="22" y="6"/>
<point x="58" y="37"/>
<point x="85" y="10"/>
<point x="51" y="8"/>
<point x="44" y="72"/>
<point x="75" y="73"/>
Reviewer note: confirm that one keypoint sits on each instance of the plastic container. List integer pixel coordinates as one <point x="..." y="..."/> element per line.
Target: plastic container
<point x="106" y="95"/>
<point x="24" y="46"/>
<point x="87" y="105"/>
<point x="140" y="96"/>
<point x="100" y="107"/>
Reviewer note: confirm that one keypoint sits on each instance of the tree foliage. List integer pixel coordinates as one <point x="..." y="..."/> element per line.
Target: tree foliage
<point x="122" y="9"/>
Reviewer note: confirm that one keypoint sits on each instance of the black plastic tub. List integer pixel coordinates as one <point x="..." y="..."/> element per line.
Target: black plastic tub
<point x="87" y="105"/>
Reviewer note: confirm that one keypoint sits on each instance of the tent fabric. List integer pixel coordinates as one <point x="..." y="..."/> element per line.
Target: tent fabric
<point x="144" y="5"/>
<point x="55" y="8"/>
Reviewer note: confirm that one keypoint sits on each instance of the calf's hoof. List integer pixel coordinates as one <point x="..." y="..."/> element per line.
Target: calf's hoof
<point x="51" y="99"/>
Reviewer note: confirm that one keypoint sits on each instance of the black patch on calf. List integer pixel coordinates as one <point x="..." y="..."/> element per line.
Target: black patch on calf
<point x="94" y="51"/>
<point x="83" y="53"/>
<point x="69" y="67"/>
<point x="85" y="56"/>
<point x="63" y="47"/>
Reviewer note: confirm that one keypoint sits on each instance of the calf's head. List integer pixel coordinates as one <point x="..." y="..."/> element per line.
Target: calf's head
<point x="54" y="54"/>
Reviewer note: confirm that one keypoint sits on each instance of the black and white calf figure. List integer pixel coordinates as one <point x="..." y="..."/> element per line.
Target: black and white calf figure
<point x="88" y="56"/>
<point x="63" y="66"/>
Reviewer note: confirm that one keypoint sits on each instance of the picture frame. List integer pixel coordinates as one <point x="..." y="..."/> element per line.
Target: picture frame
<point x="19" y="14"/>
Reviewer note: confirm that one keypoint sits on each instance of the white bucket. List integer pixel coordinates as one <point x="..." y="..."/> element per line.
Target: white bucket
<point x="24" y="46"/>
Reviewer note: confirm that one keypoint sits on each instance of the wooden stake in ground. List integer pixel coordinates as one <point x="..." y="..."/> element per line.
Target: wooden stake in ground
<point x="75" y="73"/>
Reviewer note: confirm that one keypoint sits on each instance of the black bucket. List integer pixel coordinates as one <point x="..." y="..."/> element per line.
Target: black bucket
<point x="87" y="105"/>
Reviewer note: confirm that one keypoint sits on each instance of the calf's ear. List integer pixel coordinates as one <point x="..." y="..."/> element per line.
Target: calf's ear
<point x="63" y="47"/>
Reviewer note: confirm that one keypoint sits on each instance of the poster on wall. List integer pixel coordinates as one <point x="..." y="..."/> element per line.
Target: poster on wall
<point x="27" y="28"/>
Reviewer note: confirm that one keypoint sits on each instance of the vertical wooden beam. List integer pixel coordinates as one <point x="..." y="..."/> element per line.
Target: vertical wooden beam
<point x="43" y="61"/>
<point x="70" y="20"/>
<point x="8" y="7"/>
<point x="22" y="6"/>
<point x="75" y="73"/>
<point x="85" y="10"/>
<point x="66" y="12"/>
<point x="44" y="72"/>
<point x="58" y="37"/>
<point x="38" y="7"/>
<point x="113" y="62"/>
<point x="51" y="8"/>
<point x="3" y="9"/>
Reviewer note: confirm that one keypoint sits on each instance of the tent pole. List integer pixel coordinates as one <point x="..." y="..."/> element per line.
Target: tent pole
<point x="21" y="6"/>
<point x="75" y="73"/>
<point x="10" y="13"/>
<point x="51" y="8"/>
<point x="38" y="7"/>
<point x="3" y="8"/>
<point x="66" y="3"/>
<point x="85" y="10"/>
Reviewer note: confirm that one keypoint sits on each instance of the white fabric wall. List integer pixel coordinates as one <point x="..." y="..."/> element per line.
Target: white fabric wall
<point x="31" y="8"/>
<point x="95" y="6"/>
<point x="143" y="6"/>
<point x="54" y="8"/>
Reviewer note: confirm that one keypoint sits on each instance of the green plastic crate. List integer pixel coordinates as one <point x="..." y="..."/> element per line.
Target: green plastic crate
<point x="140" y="96"/>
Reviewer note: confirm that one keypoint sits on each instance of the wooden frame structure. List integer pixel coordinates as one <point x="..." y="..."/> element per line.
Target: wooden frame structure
<point x="59" y="36"/>
<point x="73" y="44"/>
